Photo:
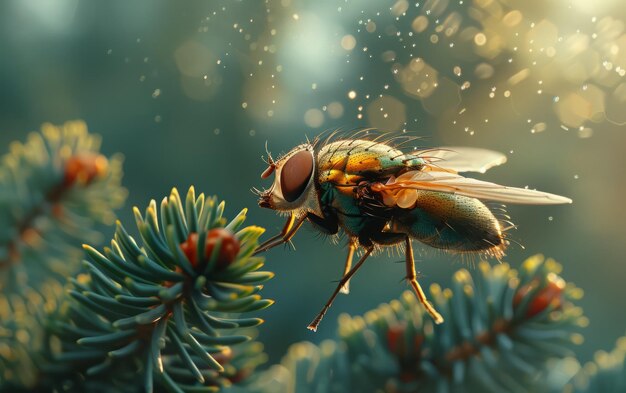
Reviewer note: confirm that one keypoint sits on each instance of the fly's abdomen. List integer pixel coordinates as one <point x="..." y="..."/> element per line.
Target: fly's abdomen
<point x="452" y="222"/>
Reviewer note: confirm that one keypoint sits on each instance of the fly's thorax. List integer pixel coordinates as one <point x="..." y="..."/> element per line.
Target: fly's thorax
<point x="346" y="162"/>
<point x="294" y="182"/>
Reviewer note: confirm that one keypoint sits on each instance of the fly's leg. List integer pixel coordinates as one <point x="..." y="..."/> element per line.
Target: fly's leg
<point x="412" y="277"/>
<point x="351" y="248"/>
<point x="266" y="245"/>
<point x="289" y="230"/>
<point x="313" y="325"/>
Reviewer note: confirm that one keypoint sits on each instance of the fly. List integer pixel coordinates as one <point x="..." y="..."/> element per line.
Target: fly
<point x="380" y="196"/>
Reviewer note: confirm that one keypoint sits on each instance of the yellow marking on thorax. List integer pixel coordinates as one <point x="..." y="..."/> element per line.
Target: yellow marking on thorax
<point x="354" y="156"/>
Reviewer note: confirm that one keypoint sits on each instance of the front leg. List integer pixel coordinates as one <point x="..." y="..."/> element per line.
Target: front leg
<point x="327" y="225"/>
<point x="352" y="245"/>
<point x="330" y="226"/>
<point x="313" y="325"/>
<point x="289" y="230"/>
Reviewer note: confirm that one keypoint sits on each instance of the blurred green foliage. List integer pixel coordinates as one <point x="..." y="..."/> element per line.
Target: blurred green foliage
<point x="56" y="192"/>
<point x="501" y="327"/>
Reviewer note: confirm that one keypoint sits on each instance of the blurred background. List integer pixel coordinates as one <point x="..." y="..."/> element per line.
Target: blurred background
<point x="190" y="92"/>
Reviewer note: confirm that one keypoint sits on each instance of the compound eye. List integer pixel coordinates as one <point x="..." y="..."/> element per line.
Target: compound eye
<point x="295" y="175"/>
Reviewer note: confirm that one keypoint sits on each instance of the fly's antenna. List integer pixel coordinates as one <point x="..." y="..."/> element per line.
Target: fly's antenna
<point x="270" y="162"/>
<point x="270" y="159"/>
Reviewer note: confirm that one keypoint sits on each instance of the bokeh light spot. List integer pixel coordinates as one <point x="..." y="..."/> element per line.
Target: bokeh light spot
<point x="194" y="59"/>
<point x="335" y="110"/>
<point x="348" y="42"/>
<point x="484" y="71"/>
<point x="417" y="79"/>
<point x="314" y="118"/>
<point x="386" y="113"/>
<point x="480" y="39"/>
<point x="577" y="107"/>
<point x="419" y="24"/>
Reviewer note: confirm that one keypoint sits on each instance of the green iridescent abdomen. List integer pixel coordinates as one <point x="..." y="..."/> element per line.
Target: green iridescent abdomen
<point x="451" y="222"/>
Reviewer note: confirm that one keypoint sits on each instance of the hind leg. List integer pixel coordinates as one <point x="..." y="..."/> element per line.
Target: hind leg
<point x="411" y="276"/>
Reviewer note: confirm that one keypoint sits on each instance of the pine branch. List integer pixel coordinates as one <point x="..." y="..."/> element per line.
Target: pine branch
<point x="157" y="314"/>
<point x="501" y="327"/>
<point x="55" y="185"/>
<point x="54" y="190"/>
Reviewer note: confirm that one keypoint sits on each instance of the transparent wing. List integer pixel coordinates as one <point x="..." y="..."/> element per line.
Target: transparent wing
<point x="464" y="159"/>
<point x="401" y="191"/>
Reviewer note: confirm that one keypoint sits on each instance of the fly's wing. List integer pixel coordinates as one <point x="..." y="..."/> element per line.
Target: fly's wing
<point x="463" y="159"/>
<point x="402" y="191"/>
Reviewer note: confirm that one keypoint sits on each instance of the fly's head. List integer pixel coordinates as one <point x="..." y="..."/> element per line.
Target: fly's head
<point x="294" y="182"/>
